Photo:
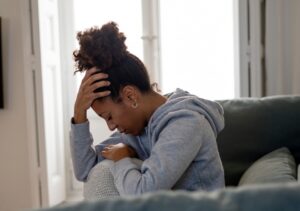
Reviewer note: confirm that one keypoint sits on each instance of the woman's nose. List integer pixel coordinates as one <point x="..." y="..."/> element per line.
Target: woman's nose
<point x="111" y="126"/>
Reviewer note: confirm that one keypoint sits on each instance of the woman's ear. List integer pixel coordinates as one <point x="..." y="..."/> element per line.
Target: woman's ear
<point x="130" y="96"/>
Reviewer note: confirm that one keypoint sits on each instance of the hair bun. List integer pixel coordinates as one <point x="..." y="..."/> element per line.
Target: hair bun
<point x="103" y="48"/>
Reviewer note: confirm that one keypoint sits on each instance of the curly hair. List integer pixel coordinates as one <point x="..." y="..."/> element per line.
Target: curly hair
<point x="105" y="49"/>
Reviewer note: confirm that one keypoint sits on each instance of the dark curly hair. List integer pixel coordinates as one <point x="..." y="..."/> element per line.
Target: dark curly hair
<point x="105" y="49"/>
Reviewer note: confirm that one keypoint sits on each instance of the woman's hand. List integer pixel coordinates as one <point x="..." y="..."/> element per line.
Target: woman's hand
<point x="117" y="152"/>
<point x="86" y="95"/>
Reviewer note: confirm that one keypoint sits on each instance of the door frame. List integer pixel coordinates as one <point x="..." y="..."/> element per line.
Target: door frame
<point x="35" y="105"/>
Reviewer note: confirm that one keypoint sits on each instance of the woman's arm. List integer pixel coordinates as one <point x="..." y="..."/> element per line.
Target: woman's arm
<point x="177" y="146"/>
<point x="83" y="155"/>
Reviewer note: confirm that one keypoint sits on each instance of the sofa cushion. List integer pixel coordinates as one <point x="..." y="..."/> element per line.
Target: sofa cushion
<point x="255" y="127"/>
<point x="276" y="166"/>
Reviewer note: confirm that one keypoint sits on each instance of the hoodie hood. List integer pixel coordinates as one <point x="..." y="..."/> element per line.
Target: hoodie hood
<point x="183" y="100"/>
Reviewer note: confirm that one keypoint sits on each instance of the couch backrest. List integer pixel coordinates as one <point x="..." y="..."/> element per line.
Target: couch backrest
<point x="255" y="127"/>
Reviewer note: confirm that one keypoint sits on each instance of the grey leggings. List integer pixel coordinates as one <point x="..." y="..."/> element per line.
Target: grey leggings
<point x="100" y="182"/>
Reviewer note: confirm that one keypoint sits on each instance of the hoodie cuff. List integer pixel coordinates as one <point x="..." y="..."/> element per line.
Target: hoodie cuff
<point x="80" y="131"/>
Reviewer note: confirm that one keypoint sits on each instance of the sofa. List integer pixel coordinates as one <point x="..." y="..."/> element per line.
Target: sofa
<point x="255" y="127"/>
<point x="260" y="151"/>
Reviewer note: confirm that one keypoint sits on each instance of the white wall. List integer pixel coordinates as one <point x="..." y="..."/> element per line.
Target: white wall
<point x="15" y="179"/>
<point x="283" y="47"/>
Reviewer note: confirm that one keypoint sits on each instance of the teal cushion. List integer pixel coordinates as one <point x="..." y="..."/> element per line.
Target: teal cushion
<point x="277" y="166"/>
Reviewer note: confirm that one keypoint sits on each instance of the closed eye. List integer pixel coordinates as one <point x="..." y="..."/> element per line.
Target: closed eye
<point x="109" y="117"/>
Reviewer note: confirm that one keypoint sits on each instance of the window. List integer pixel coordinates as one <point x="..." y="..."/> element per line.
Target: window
<point x="197" y="51"/>
<point x="89" y="13"/>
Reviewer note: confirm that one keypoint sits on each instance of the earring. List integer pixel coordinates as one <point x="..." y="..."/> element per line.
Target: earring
<point x="134" y="105"/>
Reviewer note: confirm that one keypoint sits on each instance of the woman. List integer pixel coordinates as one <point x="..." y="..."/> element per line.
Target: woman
<point x="173" y="136"/>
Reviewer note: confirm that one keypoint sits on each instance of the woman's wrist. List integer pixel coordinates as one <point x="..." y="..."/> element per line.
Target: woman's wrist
<point x="79" y="117"/>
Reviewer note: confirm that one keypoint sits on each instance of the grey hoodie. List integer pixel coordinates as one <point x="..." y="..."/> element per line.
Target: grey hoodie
<point x="178" y="148"/>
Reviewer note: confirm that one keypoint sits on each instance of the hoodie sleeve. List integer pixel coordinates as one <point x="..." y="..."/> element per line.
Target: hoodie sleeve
<point x="180" y="139"/>
<point x="84" y="156"/>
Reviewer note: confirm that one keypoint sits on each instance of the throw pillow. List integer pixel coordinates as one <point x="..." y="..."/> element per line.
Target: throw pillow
<point x="277" y="166"/>
<point x="298" y="176"/>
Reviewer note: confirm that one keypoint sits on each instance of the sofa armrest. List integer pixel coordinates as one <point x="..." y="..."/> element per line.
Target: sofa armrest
<point x="276" y="197"/>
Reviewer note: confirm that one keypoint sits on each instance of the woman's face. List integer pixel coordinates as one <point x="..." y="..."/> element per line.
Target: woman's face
<point x="121" y="116"/>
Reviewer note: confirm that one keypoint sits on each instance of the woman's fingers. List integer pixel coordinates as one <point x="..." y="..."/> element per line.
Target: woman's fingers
<point x="101" y="94"/>
<point x="108" y="147"/>
<point x="92" y="78"/>
<point x="90" y="97"/>
<point x="93" y="87"/>
<point x="97" y="85"/>
<point x="105" y="153"/>
<point x="86" y="95"/>
<point x="89" y="72"/>
<point x="93" y="82"/>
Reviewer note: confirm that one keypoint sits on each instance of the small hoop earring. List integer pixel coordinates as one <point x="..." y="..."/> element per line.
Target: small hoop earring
<point x="134" y="105"/>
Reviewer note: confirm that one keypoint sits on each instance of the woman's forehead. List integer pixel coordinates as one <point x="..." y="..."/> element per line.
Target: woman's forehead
<point x="105" y="105"/>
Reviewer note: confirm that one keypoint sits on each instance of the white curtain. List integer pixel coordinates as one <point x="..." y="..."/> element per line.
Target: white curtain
<point x="282" y="47"/>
